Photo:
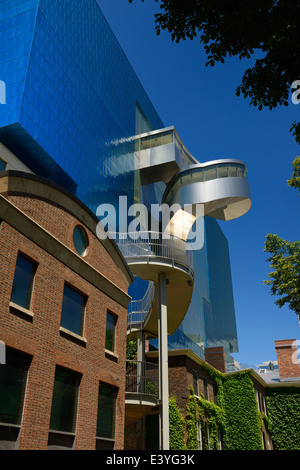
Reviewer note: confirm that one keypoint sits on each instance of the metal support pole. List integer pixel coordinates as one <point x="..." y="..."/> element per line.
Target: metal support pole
<point x="141" y="362"/>
<point x="163" y="362"/>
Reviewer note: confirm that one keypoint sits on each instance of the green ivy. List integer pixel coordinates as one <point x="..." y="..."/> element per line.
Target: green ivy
<point x="131" y="349"/>
<point x="243" y="421"/>
<point x="284" y="414"/>
<point x="177" y="426"/>
<point x="197" y="409"/>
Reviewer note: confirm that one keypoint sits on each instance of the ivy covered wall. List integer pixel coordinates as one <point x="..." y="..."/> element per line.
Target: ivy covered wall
<point x="284" y="417"/>
<point x="243" y="421"/>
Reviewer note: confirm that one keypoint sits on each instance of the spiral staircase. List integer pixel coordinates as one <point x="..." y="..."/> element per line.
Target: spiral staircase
<point x="218" y="189"/>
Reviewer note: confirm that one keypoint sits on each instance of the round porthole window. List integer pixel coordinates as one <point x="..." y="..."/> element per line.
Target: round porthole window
<point x="80" y="240"/>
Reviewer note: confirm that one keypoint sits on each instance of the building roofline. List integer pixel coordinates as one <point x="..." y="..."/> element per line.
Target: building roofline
<point x="60" y="195"/>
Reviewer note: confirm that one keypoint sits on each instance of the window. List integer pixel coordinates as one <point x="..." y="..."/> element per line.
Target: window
<point x="72" y="315"/>
<point x="195" y="383"/>
<point x="199" y="436"/>
<point x="110" y="338"/>
<point x="13" y="376"/>
<point x="23" y="282"/>
<point x="80" y="240"/>
<point x="106" y="412"/>
<point x="64" y="401"/>
<point x="2" y="164"/>
<point x="205" y="386"/>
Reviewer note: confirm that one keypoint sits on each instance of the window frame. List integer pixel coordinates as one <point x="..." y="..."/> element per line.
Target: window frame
<point x="32" y="282"/>
<point x="64" y="328"/>
<point x="114" y="337"/>
<point x="115" y="391"/>
<point x="77" y="379"/>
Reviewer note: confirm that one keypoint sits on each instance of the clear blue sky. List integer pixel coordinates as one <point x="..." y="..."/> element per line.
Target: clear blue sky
<point x="213" y="123"/>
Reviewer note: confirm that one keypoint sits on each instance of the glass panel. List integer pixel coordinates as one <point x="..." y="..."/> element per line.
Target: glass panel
<point x="110" y="332"/>
<point x="106" y="411"/>
<point x="148" y="142"/>
<point x="2" y="165"/>
<point x="232" y="171"/>
<point x="240" y="172"/>
<point x="210" y="174"/>
<point x="23" y="282"/>
<point x="13" y="377"/>
<point x="198" y="176"/>
<point x="64" y="401"/>
<point x="72" y="310"/>
<point x="80" y="240"/>
<point x="186" y="179"/>
<point x="222" y="171"/>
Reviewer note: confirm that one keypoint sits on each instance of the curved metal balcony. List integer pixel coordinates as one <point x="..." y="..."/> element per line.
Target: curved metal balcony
<point x="148" y="254"/>
<point x="220" y="185"/>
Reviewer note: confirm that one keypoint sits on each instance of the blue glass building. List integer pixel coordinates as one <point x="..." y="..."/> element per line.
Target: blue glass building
<point x="73" y="107"/>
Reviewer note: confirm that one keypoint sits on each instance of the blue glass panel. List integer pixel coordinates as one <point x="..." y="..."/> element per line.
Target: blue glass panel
<point x="23" y="281"/>
<point x="72" y="310"/>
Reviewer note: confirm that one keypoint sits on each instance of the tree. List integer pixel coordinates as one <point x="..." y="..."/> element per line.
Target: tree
<point x="269" y="32"/>
<point x="285" y="261"/>
<point x="268" y="29"/>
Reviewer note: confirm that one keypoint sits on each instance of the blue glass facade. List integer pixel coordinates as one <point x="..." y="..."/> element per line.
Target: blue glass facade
<point x="73" y="106"/>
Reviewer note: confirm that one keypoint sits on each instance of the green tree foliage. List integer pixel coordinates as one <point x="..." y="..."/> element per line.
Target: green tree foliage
<point x="285" y="277"/>
<point x="294" y="180"/>
<point x="284" y="259"/>
<point x="226" y="28"/>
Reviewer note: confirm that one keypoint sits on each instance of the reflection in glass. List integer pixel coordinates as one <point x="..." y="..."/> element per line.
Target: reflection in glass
<point x="13" y="377"/>
<point x="64" y="402"/>
<point x="80" y="240"/>
<point x="106" y="411"/>
<point x="110" y="332"/>
<point x="72" y="314"/>
<point x="210" y="174"/>
<point x="23" y="282"/>
<point x="2" y="165"/>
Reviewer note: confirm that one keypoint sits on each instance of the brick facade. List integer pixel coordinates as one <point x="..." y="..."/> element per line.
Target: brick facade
<point x="216" y="357"/>
<point x="34" y="223"/>
<point x="287" y="357"/>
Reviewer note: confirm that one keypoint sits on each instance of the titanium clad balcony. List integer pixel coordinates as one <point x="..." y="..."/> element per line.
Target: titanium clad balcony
<point x="142" y="390"/>
<point x="221" y="186"/>
<point x="148" y="254"/>
<point x="160" y="154"/>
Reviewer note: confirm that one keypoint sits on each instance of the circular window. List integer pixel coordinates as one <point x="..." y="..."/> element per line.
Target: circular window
<point x="80" y="240"/>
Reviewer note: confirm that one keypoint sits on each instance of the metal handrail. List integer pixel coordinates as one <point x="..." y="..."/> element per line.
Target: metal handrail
<point x="138" y="310"/>
<point x="142" y="378"/>
<point x="150" y="245"/>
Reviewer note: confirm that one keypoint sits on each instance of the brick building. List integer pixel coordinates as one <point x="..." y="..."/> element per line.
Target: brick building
<point x="63" y="308"/>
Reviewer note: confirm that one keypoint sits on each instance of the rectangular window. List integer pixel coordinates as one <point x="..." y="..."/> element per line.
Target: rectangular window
<point x="72" y="314"/>
<point x="2" y="164"/>
<point x="205" y="385"/>
<point x="64" y="401"/>
<point x="106" y="411"/>
<point x="110" y="338"/>
<point x="195" y="383"/>
<point x="13" y="377"/>
<point x="199" y="436"/>
<point x="23" y="282"/>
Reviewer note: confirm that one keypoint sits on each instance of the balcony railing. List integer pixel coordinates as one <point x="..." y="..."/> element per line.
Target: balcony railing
<point x="138" y="310"/>
<point x="142" y="378"/>
<point x="150" y="246"/>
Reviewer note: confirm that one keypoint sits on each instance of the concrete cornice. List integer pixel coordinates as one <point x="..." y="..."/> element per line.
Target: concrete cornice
<point x="38" y="235"/>
<point x="19" y="182"/>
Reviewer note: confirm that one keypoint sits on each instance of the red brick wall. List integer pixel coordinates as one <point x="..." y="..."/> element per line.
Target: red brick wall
<point x="216" y="358"/>
<point x="41" y="338"/>
<point x="287" y="358"/>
